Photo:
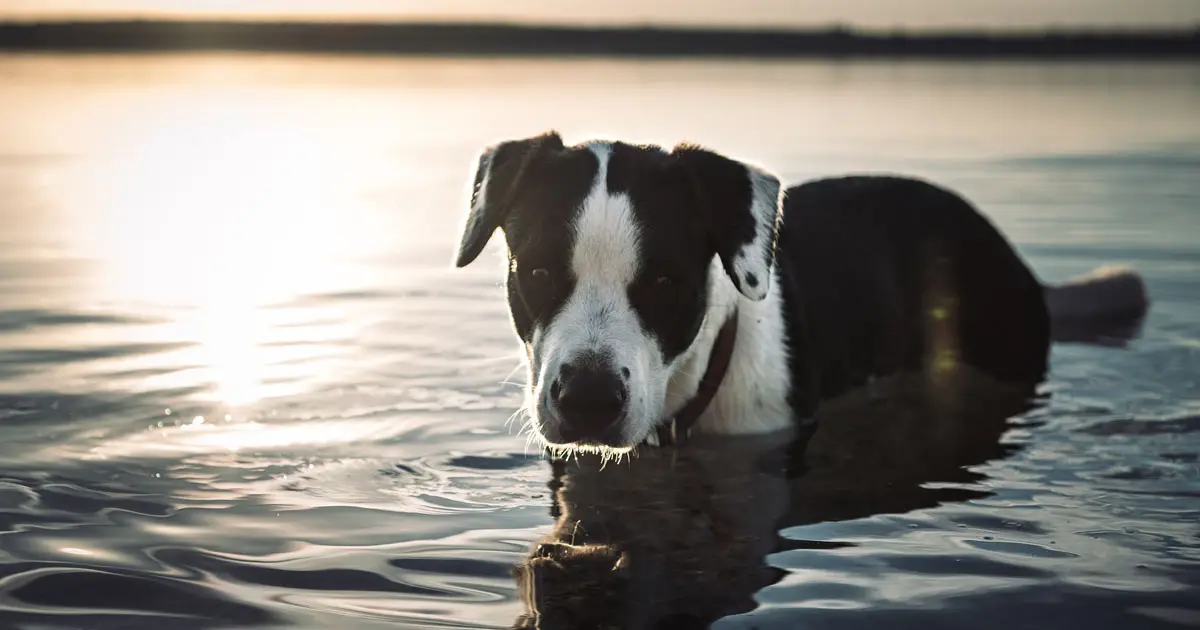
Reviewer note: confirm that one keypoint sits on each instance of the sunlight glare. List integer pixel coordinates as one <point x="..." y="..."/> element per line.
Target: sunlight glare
<point x="219" y="208"/>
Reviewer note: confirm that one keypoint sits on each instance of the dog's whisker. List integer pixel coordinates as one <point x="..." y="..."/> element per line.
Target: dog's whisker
<point x="520" y="410"/>
<point x="519" y="365"/>
<point x="530" y="430"/>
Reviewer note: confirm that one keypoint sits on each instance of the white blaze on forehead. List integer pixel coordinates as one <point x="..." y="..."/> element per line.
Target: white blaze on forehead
<point x="606" y="236"/>
<point x="604" y="260"/>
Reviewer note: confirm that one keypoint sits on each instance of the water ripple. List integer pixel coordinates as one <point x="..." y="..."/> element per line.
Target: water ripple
<point x="109" y="598"/>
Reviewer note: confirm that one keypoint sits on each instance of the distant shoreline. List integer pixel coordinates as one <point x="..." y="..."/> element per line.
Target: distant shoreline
<point x="464" y="39"/>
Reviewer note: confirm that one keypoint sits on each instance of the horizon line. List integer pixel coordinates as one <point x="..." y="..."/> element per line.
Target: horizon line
<point x="1193" y="28"/>
<point x="516" y="38"/>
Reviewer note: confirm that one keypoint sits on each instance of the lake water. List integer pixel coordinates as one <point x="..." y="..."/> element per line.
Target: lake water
<point x="242" y="386"/>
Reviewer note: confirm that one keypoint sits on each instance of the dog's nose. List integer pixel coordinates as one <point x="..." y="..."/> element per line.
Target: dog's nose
<point x="589" y="399"/>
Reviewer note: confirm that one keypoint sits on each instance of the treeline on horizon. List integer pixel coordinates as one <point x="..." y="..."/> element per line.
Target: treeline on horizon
<point x="511" y="39"/>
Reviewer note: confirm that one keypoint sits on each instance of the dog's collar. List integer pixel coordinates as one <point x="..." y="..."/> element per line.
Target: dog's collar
<point x="675" y="430"/>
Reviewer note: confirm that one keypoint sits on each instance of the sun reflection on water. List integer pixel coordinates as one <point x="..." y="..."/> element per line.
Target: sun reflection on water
<point x="218" y="209"/>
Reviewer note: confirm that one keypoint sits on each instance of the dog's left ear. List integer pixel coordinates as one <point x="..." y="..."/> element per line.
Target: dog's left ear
<point x="743" y="207"/>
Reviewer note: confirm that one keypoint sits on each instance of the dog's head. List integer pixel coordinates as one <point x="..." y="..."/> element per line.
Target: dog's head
<point x="611" y="252"/>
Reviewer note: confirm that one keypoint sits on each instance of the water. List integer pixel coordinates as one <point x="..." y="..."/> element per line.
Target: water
<point x="241" y="385"/>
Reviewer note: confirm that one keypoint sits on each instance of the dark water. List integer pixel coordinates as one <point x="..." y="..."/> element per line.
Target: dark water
<point x="241" y="386"/>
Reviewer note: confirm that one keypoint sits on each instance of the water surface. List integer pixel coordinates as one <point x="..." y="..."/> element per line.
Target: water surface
<point x="241" y="385"/>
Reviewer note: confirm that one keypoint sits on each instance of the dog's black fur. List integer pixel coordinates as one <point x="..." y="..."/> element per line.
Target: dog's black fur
<point x="883" y="274"/>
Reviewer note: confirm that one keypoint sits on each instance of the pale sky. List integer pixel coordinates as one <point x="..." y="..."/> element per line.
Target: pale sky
<point x="995" y="14"/>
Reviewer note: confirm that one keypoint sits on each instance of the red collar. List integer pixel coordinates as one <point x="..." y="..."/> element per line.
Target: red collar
<point x="675" y="431"/>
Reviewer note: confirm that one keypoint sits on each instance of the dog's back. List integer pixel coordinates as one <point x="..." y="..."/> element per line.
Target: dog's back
<point x="889" y="273"/>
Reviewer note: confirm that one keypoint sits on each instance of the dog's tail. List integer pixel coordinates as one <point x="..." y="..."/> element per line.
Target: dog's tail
<point x="1106" y="307"/>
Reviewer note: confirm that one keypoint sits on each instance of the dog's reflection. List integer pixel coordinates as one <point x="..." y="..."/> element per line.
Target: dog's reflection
<point x="677" y="538"/>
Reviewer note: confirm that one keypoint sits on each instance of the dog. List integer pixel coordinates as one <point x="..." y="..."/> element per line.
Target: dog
<point x="662" y="292"/>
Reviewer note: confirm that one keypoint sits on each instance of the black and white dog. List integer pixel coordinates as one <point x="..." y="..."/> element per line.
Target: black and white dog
<point x="687" y="290"/>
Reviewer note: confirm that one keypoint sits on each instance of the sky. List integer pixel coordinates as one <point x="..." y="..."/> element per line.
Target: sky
<point x="911" y="14"/>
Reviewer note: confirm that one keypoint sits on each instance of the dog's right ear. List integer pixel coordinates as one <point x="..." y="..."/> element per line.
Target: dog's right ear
<point x="742" y="205"/>
<point x="500" y="173"/>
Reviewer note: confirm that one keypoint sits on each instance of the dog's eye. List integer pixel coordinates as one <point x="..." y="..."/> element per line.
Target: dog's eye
<point x="663" y="281"/>
<point x="539" y="274"/>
